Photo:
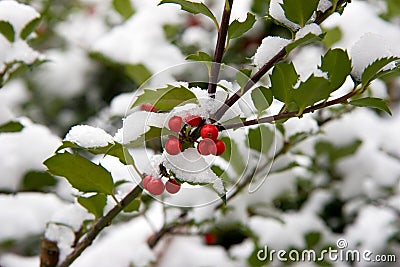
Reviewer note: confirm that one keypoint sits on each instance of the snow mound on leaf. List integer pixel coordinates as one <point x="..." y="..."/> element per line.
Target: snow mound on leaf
<point x="269" y="47"/>
<point x="276" y="11"/>
<point x="88" y="136"/>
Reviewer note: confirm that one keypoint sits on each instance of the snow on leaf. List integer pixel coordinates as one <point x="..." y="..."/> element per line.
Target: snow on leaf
<point x="88" y="137"/>
<point x="269" y="47"/>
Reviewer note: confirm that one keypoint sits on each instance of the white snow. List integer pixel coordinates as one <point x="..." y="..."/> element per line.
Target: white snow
<point x="324" y="5"/>
<point x="17" y="14"/>
<point x="276" y="11"/>
<point x="312" y="28"/>
<point x="141" y="40"/>
<point x="269" y="47"/>
<point x="13" y="260"/>
<point x="66" y="73"/>
<point x="24" y="151"/>
<point x="26" y="214"/>
<point x="190" y="166"/>
<point x="88" y="136"/>
<point x="365" y="51"/>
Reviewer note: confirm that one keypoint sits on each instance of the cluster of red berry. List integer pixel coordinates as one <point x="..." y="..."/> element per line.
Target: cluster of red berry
<point x="209" y="145"/>
<point x="156" y="186"/>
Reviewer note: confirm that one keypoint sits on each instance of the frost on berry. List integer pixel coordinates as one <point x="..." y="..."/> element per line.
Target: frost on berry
<point x="175" y="124"/>
<point x="173" y="146"/>
<point x="172" y="186"/>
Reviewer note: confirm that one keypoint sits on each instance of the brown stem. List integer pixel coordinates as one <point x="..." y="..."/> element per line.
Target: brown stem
<point x="103" y="222"/>
<point x="220" y="48"/>
<point x="286" y="115"/>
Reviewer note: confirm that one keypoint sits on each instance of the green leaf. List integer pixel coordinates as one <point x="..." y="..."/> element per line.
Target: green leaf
<point x="312" y="239"/>
<point x="308" y="39"/>
<point x="233" y="156"/>
<point x="194" y="8"/>
<point x="94" y="204"/>
<point x="11" y="127"/>
<point x="237" y="28"/>
<point x="332" y="36"/>
<point x="372" y="102"/>
<point x="334" y="152"/>
<point x="337" y="64"/>
<point x="261" y="138"/>
<point x="38" y="181"/>
<point x="310" y="92"/>
<point x="29" y="28"/>
<point x="133" y="206"/>
<point x="138" y="73"/>
<point x="373" y="69"/>
<point x="124" y="8"/>
<point x="151" y="134"/>
<point x="201" y="57"/>
<point x="167" y="98"/>
<point x="299" y="11"/>
<point x="81" y="173"/>
<point x="283" y="78"/>
<point x="262" y="98"/>
<point x="243" y="76"/>
<point x="7" y="30"/>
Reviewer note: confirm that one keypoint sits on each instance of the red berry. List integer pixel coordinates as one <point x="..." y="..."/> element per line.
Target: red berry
<point x="210" y="239"/>
<point x="207" y="147"/>
<point x="175" y="124"/>
<point x="209" y="131"/>
<point x="193" y="120"/>
<point x="146" y="181"/>
<point x="220" y="146"/>
<point x="155" y="187"/>
<point x="148" y="107"/>
<point x="173" y="146"/>
<point x="172" y="186"/>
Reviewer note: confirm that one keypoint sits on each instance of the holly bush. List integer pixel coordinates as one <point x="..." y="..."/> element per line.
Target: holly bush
<point x="136" y="133"/>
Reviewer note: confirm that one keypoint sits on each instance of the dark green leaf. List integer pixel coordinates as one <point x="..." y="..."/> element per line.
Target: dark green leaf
<point x="299" y="11"/>
<point x="38" y="181"/>
<point x="7" y="30"/>
<point x="243" y="76"/>
<point x="262" y="98"/>
<point x="312" y="239"/>
<point x="121" y="182"/>
<point x="138" y="73"/>
<point x="133" y="206"/>
<point x="237" y="28"/>
<point x="11" y="127"/>
<point x="372" y="102"/>
<point x="334" y="152"/>
<point x="81" y="173"/>
<point x="201" y="57"/>
<point x="261" y="139"/>
<point x="29" y="28"/>
<point x="116" y="150"/>
<point x="308" y="39"/>
<point x="233" y="155"/>
<point x="373" y="69"/>
<point x="151" y="134"/>
<point x="283" y="78"/>
<point x="94" y="204"/>
<point x="337" y="64"/>
<point x="166" y="98"/>
<point x="194" y="8"/>
<point x="124" y="8"/>
<point x="310" y="92"/>
<point x="332" y="36"/>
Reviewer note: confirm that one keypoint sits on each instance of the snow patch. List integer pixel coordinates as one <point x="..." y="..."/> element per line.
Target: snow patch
<point x="269" y="47"/>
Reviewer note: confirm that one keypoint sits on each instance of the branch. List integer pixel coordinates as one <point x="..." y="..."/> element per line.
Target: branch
<point x="287" y="115"/>
<point x="103" y="222"/>
<point x="220" y="48"/>
<point x="267" y="66"/>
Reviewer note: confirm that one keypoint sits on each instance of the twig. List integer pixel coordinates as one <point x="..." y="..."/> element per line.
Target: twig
<point x="220" y="48"/>
<point x="286" y="115"/>
<point x="103" y="222"/>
